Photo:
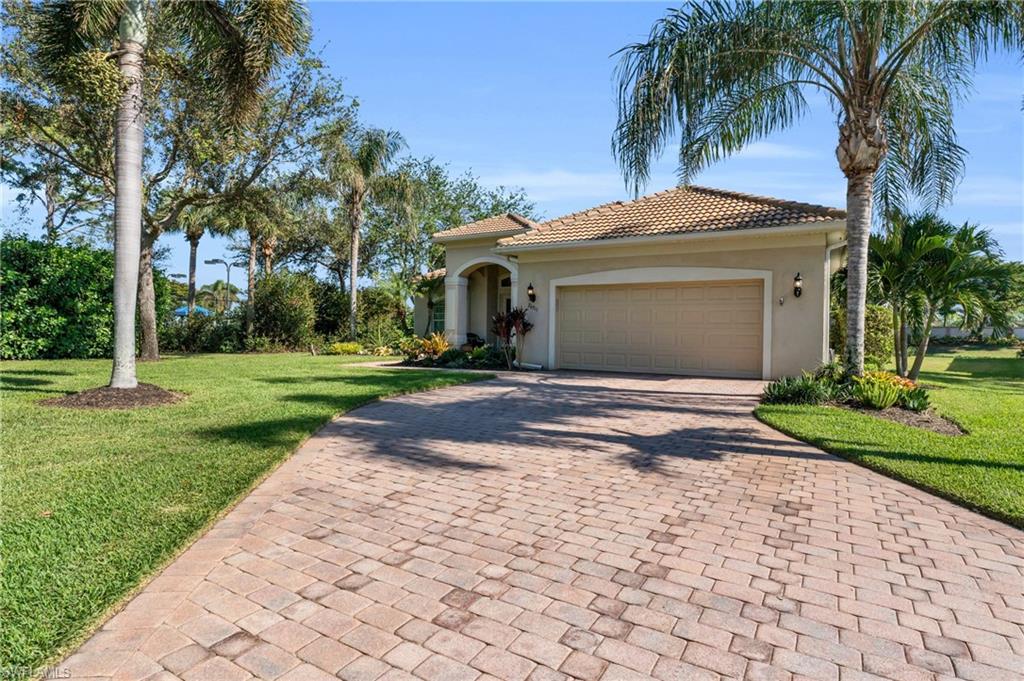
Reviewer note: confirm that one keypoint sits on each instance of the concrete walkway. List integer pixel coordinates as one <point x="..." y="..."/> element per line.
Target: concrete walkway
<point x="553" y="526"/>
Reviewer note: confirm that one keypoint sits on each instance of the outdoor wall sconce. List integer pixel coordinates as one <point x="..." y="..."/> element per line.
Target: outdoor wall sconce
<point x="798" y="285"/>
<point x="531" y="293"/>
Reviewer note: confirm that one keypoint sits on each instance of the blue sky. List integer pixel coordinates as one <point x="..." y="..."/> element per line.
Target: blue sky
<point x="523" y="94"/>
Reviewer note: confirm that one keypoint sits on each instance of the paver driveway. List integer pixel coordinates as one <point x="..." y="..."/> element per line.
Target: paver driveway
<point x="574" y="525"/>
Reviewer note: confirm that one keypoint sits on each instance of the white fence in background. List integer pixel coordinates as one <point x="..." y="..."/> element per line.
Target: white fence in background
<point x="956" y="332"/>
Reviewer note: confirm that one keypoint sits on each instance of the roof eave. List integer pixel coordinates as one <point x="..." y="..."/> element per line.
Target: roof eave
<point x="439" y="238"/>
<point x="823" y="226"/>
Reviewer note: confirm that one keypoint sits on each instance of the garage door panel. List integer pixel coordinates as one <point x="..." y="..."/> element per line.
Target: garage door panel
<point x="700" y="328"/>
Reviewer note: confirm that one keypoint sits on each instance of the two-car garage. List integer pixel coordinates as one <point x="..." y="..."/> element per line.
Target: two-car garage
<point x="707" y="328"/>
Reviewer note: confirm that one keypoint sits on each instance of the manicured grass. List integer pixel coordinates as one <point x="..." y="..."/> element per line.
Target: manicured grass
<point x="982" y="390"/>
<point x="94" y="501"/>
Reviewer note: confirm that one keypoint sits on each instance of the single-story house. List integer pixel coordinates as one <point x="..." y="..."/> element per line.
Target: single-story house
<point x="691" y="281"/>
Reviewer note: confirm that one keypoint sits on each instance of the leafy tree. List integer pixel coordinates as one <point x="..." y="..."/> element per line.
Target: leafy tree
<point x="724" y="74"/>
<point x="441" y="201"/>
<point x="359" y="165"/>
<point x="285" y="309"/>
<point x="233" y="46"/>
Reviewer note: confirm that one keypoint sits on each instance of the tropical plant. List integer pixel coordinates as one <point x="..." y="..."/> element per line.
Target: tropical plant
<point x="218" y="296"/>
<point x="511" y="328"/>
<point x="359" y="167"/>
<point x="235" y="44"/>
<point x="725" y="74"/>
<point x="874" y="392"/>
<point x="803" y="389"/>
<point x="968" y="275"/>
<point x="915" y="399"/>
<point x="896" y="258"/>
<point x="434" y="345"/>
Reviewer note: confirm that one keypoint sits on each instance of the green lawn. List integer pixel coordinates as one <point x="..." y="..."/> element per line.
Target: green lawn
<point x="982" y="390"/>
<point x="95" y="501"/>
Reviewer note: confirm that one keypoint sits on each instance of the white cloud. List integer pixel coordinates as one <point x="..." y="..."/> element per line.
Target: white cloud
<point x="558" y="184"/>
<point x="773" y="150"/>
<point x="990" y="191"/>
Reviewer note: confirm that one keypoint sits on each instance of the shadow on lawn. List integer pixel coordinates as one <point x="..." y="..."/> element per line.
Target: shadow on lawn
<point x="27" y="384"/>
<point x="988" y="368"/>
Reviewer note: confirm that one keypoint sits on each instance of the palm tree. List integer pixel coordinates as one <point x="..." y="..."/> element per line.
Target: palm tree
<point x="896" y="261"/>
<point x="236" y="44"/>
<point x="967" y="274"/>
<point x="359" y="167"/>
<point x="218" y="296"/>
<point x="724" y="74"/>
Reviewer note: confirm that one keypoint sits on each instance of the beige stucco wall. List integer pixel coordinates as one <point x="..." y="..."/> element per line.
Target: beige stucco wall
<point x="419" y="314"/>
<point x="798" y="328"/>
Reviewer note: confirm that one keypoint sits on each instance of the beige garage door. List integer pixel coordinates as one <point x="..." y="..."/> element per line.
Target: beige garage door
<point x="697" y="328"/>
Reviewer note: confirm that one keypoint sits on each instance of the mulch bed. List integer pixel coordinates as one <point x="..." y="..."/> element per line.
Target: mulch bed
<point x="145" y="395"/>
<point x="926" y="420"/>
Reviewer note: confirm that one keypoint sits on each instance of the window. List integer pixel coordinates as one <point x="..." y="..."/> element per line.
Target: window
<point x="437" y="320"/>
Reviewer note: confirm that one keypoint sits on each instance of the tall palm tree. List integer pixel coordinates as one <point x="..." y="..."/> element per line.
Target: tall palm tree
<point x="236" y="44"/>
<point x="359" y="165"/>
<point x="724" y="74"/>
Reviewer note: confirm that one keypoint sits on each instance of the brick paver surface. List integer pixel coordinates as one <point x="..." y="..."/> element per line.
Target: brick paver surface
<point x="556" y="526"/>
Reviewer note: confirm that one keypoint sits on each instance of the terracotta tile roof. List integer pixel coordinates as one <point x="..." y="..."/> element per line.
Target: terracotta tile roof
<point x="681" y="210"/>
<point x="508" y="223"/>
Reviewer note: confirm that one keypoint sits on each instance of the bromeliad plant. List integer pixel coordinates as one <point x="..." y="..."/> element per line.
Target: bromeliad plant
<point x="830" y="384"/>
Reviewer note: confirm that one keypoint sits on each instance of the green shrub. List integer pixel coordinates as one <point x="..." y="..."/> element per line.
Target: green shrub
<point x="344" y="348"/>
<point x="284" y="311"/>
<point x="450" y="356"/>
<point x="262" y="344"/>
<point x="803" y="389"/>
<point x="876" y="393"/>
<point x="198" y="333"/>
<point x="58" y="301"/>
<point x="878" y="343"/>
<point x="915" y="399"/>
<point x="380" y="332"/>
<point x="331" y="305"/>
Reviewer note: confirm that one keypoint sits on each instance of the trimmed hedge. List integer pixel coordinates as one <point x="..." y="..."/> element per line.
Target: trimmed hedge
<point x="58" y="300"/>
<point x="878" y="343"/>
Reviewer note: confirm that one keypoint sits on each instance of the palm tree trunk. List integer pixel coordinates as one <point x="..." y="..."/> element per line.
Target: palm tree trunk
<point x="922" y="346"/>
<point x="356" y="217"/>
<point x="904" y="341"/>
<point x="50" y="195"/>
<point x="896" y="339"/>
<point x="193" y="251"/>
<point x="250" y="306"/>
<point x="128" y="194"/>
<point x="858" y="229"/>
<point x="147" y="302"/>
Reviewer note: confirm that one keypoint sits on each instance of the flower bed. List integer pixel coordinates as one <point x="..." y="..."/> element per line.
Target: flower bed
<point x="880" y="393"/>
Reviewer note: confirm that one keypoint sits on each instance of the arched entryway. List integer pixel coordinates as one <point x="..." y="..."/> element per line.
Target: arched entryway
<point x="475" y="293"/>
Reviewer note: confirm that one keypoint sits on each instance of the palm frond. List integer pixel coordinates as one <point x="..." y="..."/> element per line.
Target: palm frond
<point x="924" y="158"/>
<point x="724" y="75"/>
<point x="239" y="44"/>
